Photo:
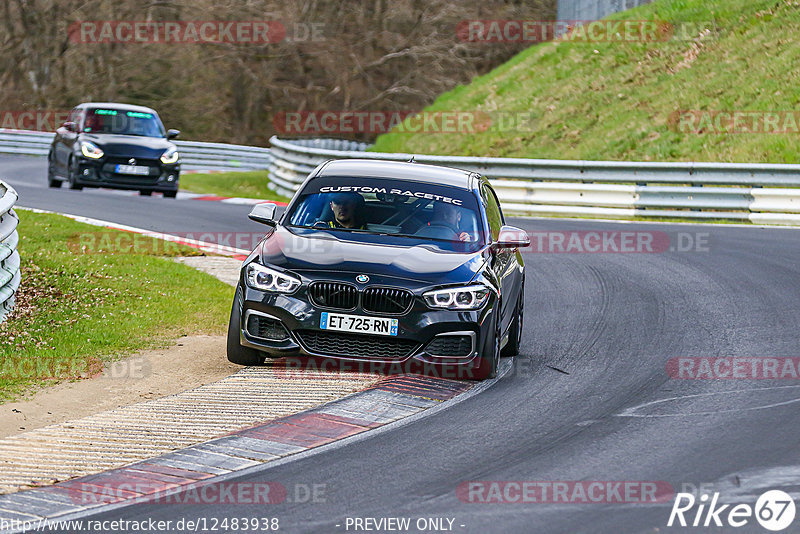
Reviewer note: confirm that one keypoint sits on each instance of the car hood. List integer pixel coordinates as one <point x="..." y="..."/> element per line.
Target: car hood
<point x="323" y="252"/>
<point x="131" y="146"/>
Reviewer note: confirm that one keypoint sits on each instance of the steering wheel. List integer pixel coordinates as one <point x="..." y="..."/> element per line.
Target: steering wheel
<point x="438" y="230"/>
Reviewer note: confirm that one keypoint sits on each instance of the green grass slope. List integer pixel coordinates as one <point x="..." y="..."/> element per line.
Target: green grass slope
<point x="91" y="296"/>
<point x="617" y="100"/>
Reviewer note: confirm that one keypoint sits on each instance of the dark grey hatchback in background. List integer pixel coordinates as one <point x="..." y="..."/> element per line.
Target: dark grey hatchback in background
<point x="116" y="146"/>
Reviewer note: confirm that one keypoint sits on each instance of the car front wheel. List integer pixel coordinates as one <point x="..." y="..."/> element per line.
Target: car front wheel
<point x="236" y="352"/>
<point x="72" y="173"/>
<point x="515" y="332"/>
<point x="52" y="181"/>
<point x="490" y="360"/>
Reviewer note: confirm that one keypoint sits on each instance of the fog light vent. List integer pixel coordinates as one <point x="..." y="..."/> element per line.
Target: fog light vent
<point x="263" y="327"/>
<point x="451" y="346"/>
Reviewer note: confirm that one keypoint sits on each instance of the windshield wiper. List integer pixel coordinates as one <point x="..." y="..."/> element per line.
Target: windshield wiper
<point x="330" y="228"/>
<point x="370" y="232"/>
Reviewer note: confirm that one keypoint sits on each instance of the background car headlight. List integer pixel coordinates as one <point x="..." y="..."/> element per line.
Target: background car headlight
<point x="458" y="298"/>
<point x="266" y="279"/>
<point x="91" y="150"/>
<point x="170" y="156"/>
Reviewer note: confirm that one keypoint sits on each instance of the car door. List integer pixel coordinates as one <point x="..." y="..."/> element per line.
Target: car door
<point x="505" y="262"/>
<point x="65" y="141"/>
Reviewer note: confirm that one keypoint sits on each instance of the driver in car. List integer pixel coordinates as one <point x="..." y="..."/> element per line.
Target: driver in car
<point x="348" y="211"/>
<point x="450" y="216"/>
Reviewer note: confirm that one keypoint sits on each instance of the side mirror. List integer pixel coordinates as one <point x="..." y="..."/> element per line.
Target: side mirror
<point x="512" y="237"/>
<point x="172" y="134"/>
<point x="70" y="126"/>
<point x="264" y="214"/>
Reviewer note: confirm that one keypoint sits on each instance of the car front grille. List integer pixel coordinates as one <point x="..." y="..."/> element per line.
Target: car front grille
<point x="356" y="345"/>
<point x="333" y="295"/>
<point x="341" y="296"/>
<point x="386" y="300"/>
<point x="266" y="328"/>
<point x="458" y="346"/>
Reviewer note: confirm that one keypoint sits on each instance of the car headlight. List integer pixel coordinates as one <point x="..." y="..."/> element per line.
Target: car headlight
<point x="458" y="298"/>
<point x="170" y="156"/>
<point x="91" y="150"/>
<point x="266" y="279"/>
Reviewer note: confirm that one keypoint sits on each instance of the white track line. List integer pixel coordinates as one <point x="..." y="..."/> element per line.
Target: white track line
<point x="202" y="245"/>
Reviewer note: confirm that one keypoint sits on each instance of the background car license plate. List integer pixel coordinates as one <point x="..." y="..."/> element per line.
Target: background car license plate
<point x="358" y="323"/>
<point x="132" y="169"/>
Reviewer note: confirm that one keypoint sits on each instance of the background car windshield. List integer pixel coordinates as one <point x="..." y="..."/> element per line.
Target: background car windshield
<point x="383" y="206"/>
<point x="122" y="122"/>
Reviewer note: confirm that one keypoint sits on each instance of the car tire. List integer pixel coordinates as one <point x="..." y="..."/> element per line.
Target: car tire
<point x="236" y="352"/>
<point x="52" y="181"/>
<point x="515" y="331"/>
<point x="170" y="194"/>
<point x="145" y="193"/>
<point x="72" y="176"/>
<point x="490" y="363"/>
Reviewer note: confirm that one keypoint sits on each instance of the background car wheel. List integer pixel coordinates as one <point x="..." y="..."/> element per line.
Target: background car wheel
<point x="52" y="181"/>
<point x="236" y="352"/>
<point x="515" y="332"/>
<point x="170" y="194"/>
<point x="146" y="193"/>
<point x="72" y="173"/>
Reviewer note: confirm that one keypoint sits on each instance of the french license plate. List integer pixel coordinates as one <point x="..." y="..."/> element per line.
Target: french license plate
<point x="383" y="326"/>
<point x="132" y="169"/>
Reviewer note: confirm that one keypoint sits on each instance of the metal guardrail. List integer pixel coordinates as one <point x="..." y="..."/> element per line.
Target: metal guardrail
<point x="760" y="193"/>
<point x="195" y="156"/>
<point x="9" y="256"/>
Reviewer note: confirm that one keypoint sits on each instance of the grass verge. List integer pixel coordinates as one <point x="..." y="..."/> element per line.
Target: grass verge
<point x="246" y="184"/>
<point x="618" y="100"/>
<point x="78" y="308"/>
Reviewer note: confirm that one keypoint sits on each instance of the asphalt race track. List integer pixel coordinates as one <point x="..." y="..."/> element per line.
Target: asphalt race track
<point x="25" y="174"/>
<point x="580" y="402"/>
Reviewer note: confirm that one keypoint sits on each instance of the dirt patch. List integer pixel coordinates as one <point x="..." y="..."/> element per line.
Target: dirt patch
<point x="192" y="361"/>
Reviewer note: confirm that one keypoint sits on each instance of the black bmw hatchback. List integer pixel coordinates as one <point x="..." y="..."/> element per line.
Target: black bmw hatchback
<point x="397" y="266"/>
<point x="116" y="146"/>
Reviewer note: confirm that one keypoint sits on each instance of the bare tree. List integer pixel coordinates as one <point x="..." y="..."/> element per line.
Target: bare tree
<point x="355" y="55"/>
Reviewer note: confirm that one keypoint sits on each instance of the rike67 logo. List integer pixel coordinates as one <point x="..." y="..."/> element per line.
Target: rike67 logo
<point x="774" y="510"/>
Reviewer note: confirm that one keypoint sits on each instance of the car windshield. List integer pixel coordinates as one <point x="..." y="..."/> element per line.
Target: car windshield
<point x="123" y="122"/>
<point x="379" y="206"/>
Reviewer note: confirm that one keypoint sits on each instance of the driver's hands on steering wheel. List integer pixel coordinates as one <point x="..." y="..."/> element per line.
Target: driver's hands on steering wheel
<point x="464" y="236"/>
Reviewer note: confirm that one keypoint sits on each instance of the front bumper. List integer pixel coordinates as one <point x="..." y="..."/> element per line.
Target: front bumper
<point x="101" y="173"/>
<point x="417" y="329"/>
